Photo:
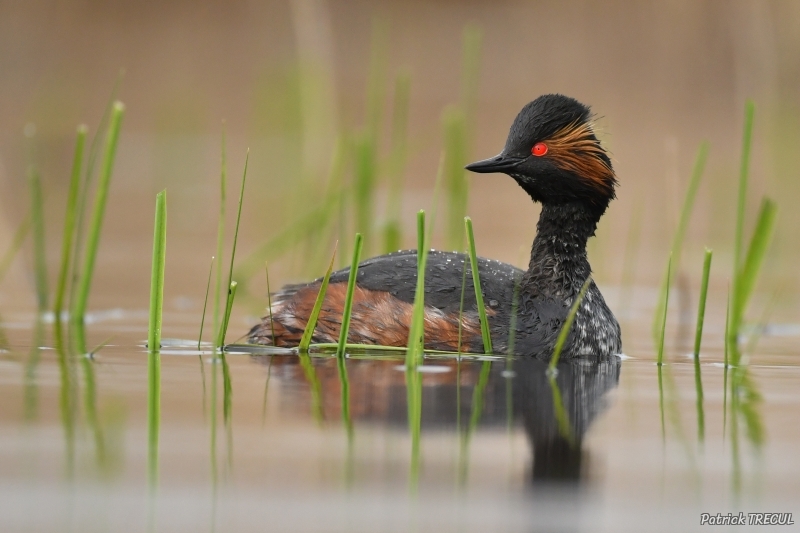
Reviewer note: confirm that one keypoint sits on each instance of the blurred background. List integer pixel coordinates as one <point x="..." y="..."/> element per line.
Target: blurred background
<point x="288" y="79"/>
<point x="346" y="108"/>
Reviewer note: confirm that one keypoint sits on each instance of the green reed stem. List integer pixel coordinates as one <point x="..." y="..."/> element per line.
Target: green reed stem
<point x="83" y="194"/>
<point x="754" y="259"/>
<point x="415" y="355"/>
<point x="741" y="207"/>
<point x="67" y="399"/>
<point x="154" y="337"/>
<point x="663" y="331"/>
<point x="205" y="305"/>
<point x="559" y="412"/>
<point x="314" y="385"/>
<point x="461" y="306"/>
<point x="348" y="302"/>
<point x="725" y="364"/>
<point x="238" y="217"/>
<point x="512" y="325"/>
<point x="153" y="415"/>
<point x="659" y="370"/>
<point x="226" y="317"/>
<point x="701" y="312"/>
<point x="680" y="233"/>
<point x="476" y="410"/>
<point x="93" y="237"/>
<point x="16" y="245"/>
<point x="744" y="172"/>
<point x="69" y="222"/>
<point x="37" y="218"/>
<point x="157" y="273"/>
<point x="340" y="350"/>
<point x="227" y="405"/>
<point x="232" y="284"/>
<point x="476" y="281"/>
<point x="308" y="333"/>
<point x="416" y="334"/>
<point x="567" y="326"/>
<point x="269" y="309"/>
<point x="223" y="185"/>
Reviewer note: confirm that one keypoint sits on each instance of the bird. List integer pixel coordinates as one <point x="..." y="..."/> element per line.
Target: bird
<point x="553" y="154"/>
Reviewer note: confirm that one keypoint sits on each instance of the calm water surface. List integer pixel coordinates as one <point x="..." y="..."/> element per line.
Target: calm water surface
<point x="501" y="447"/>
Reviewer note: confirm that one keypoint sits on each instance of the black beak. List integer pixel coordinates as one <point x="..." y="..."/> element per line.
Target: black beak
<point x="498" y="163"/>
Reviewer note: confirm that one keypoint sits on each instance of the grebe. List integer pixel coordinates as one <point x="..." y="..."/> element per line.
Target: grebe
<point x="554" y="155"/>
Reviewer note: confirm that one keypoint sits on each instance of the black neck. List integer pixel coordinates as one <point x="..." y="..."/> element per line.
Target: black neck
<point x="558" y="265"/>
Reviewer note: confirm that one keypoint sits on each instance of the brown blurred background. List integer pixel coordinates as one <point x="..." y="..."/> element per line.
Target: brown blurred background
<point x="662" y="76"/>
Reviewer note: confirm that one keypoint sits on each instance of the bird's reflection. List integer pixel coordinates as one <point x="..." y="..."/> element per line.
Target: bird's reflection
<point x="555" y="410"/>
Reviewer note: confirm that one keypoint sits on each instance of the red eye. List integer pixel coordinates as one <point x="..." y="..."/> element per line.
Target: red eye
<point x="539" y="149"/>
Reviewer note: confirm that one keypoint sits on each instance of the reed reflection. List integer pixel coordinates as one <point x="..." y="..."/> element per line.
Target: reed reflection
<point x="555" y="411"/>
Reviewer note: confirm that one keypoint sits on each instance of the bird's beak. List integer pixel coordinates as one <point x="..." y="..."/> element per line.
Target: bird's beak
<point x="498" y="163"/>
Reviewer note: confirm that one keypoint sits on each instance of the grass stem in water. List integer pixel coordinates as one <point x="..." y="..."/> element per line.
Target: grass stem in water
<point x="154" y="337"/>
<point x="680" y="233"/>
<point x="663" y="331"/>
<point x="223" y="185"/>
<point x="205" y="304"/>
<point x="476" y="281"/>
<point x="567" y="326"/>
<point x="16" y="245"/>
<point x="93" y="237"/>
<point x="39" y="249"/>
<point x="308" y="333"/>
<point x="698" y="337"/>
<point x="69" y="222"/>
<point x="348" y="302"/>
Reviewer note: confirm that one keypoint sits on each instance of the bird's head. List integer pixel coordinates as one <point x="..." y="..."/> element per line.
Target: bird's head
<point x="553" y="153"/>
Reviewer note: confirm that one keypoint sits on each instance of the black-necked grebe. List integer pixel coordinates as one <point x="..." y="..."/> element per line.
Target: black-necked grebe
<point x="554" y="155"/>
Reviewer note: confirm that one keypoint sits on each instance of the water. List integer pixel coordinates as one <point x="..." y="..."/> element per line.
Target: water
<point x="507" y="450"/>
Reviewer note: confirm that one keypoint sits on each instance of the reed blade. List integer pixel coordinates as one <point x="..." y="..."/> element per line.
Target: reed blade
<point x="567" y="326"/>
<point x="476" y="281"/>
<point x="205" y="305"/>
<point x="416" y="334"/>
<point x="348" y="302"/>
<point x="744" y="173"/>
<point x="476" y="410"/>
<point x="16" y="245"/>
<point x="559" y="412"/>
<point x="269" y="306"/>
<point x="680" y="233"/>
<point x="341" y="363"/>
<point x="157" y="273"/>
<point x="226" y="317"/>
<point x="223" y="186"/>
<point x="756" y="252"/>
<point x="238" y="218"/>
<point x="39" y="248"/>
<point x="701" y="312"/>
<point x="741" y="207"/>
<point x="154" y="338"/>
<point x="69" y="222"/>
<point x="308" y="333"/>
<point x="83" y="194"/>
<point x="663" y="329"/>
<point x="95" y="226"/>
